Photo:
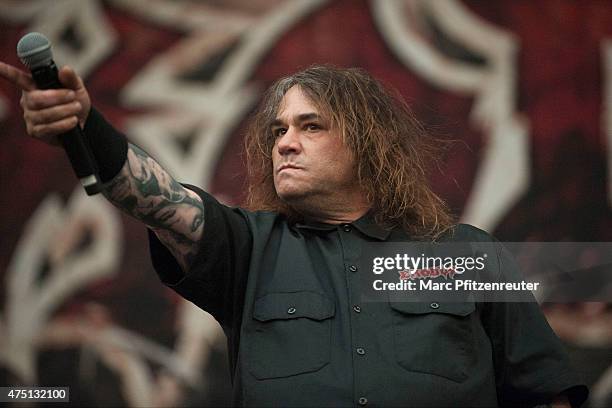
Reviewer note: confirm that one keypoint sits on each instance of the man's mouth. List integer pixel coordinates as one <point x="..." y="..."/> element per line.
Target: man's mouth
<point x="288" y="167"/>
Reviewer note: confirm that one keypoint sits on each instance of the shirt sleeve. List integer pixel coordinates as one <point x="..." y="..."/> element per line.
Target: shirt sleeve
<point x="216" y="280"/>
<point x="531" y="364"/>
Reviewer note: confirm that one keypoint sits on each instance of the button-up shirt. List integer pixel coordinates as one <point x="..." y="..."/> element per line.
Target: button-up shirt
<point x="288" y="298"/>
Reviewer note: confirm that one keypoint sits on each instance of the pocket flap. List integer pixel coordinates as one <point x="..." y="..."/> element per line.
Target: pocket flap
<point x="453" y="308"/>
<point x="292" y="305"/>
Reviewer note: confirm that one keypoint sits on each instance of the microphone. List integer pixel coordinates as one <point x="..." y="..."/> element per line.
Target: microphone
<point x="34" y="51"/>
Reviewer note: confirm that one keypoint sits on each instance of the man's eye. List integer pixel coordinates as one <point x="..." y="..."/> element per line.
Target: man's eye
<point x="279" y="132"/>
<point x="313" y="127"/>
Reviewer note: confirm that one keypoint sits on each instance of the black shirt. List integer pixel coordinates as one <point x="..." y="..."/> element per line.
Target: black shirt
<point x="288" y="298"/>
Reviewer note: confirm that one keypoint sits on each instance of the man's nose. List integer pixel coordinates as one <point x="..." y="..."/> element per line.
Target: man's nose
<point x="289" y="143"/>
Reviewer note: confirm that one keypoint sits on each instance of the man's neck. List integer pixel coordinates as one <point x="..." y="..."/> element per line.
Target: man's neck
<point x="335" y="212"/>
<point x="340" y="218"/>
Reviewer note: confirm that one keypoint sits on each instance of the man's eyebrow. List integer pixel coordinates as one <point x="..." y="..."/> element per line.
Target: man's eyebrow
<point x="302" y="117"/>
<point x="307" y="116"/>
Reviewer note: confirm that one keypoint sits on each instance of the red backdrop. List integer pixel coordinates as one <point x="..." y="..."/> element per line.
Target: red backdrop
<point x="559" y="85"/>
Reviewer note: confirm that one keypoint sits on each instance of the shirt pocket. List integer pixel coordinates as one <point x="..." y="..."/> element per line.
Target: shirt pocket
<point x="291" y="334"/>
<point x="434" y="338"/>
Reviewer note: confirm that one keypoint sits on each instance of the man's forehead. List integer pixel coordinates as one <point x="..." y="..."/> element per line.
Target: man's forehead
<point x="297" y="105"/>
<point x="298" y="118"/>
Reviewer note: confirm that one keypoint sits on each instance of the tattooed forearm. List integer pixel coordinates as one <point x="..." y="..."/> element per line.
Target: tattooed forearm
<point x="147" y="192"/>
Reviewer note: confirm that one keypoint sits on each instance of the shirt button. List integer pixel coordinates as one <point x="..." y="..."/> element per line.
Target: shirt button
<point x="346" y="228"/>
<point x="434" y="305"/>
<point x="291" y="310"/>
<point x="353" y="268"/>
<point x="360" y="351"/>
<point x="363" y="401"/>
<point x="357" y="309"/>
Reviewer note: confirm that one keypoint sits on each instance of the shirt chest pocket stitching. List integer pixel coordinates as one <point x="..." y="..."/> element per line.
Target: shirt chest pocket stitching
<point x="457" y="309"/>
<point x="291" y="334"/>
<point x="434" y="338"/>
<point x="292" y="305"/>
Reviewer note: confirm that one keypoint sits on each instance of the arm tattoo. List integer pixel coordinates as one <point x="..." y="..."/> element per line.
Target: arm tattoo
<point x="144" y="190"/>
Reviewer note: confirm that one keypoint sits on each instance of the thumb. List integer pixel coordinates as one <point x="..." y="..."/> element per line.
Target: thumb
<point x="70" y="79"/>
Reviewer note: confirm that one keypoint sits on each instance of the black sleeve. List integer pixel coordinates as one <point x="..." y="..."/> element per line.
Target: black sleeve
<point x="107" y="145"/>
<point x="216" y="280"/>
<point x="531" y="364"/>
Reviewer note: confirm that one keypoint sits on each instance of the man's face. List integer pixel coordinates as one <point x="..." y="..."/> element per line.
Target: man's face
<point x="312" y="167"/>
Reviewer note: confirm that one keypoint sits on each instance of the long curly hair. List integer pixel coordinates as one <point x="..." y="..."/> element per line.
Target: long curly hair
<point x="391" y="148"/>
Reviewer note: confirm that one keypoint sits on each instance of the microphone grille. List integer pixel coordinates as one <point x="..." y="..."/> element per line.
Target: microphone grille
<point x="34" y="50"/>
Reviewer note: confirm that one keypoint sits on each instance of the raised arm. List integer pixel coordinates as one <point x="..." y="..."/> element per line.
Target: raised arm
<point x="144" y="190"/>
<point x="141" y="188"/>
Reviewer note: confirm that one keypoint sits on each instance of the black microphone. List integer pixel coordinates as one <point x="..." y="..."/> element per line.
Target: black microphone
<point x="34" y="51"/>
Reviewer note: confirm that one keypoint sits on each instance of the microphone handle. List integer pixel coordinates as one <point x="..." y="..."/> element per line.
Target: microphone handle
<point x="73" y="141"/>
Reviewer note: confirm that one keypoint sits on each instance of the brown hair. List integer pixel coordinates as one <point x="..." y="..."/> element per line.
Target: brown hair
<point x="390" y="147"/>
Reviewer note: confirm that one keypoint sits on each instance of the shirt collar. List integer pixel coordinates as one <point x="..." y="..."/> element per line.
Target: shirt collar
<point x="369" y="227"/>
<point x="365" y="224"/>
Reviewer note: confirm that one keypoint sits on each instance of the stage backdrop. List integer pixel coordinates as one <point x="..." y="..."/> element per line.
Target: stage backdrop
<point x="524" y="86"/>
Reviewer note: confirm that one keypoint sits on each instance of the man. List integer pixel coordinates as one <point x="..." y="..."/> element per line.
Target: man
<point x="334" y="162"/>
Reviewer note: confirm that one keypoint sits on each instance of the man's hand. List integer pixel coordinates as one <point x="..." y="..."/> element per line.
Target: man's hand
<point x="49" y="113"/>
<point x="142" y="188"/>
<point x="560" y="401"/>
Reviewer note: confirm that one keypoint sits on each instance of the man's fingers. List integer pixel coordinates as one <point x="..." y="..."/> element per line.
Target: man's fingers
<point x="70" y="79"/>
<point x="53" y="114"/>
<point x="42" y="99"/>
<point x="48" y="132"/>
<point x="18" y="77"/>
<point x="50" y="112"/>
